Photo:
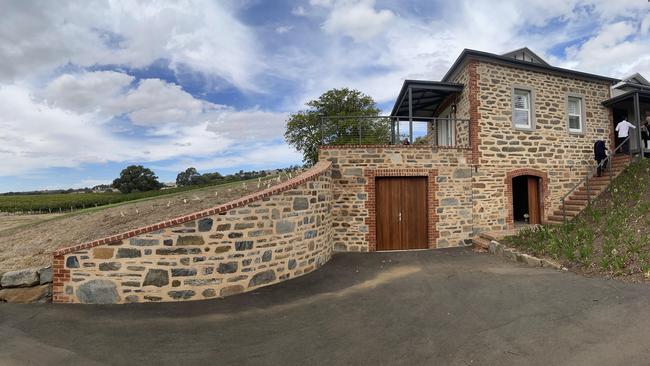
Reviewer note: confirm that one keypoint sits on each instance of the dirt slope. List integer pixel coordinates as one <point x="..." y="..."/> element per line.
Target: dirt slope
<point x="32" y="245"/>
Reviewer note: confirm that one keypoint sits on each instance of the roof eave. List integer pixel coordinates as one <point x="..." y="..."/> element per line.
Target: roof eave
<point x="538" y="67"/>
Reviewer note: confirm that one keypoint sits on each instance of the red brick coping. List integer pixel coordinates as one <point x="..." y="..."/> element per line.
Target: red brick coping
<point x="317" y="170"/>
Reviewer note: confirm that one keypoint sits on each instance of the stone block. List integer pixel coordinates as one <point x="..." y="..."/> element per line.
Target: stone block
<point x="205" y="224"/>
<point x="156" y="277"/>
<point x="190" y="240"/>
<point x="285" y="227"/>
<point x="139" y="242"/>
<point x="72" y="262"/>
<point x="181" y="295"/>
<point x="21" y="278"/>
<point x="462" y="173"/>
<point x="243" y="245"/>
<point x="227" y="267"/>
<point x="183" y="272"/>
<point x="45" y="275"/>
<point x="128" y="253"/>
<point x="103" y="253"/>
<point x="266" y="257"/>
<point x="209" y="292"/>
<point x="42" y="293"/>
<point x="231" y="290"/>
<point x="98" y="292"/>
<point x="262" y="278"/>
<point x="178" y="251"/>
<point x="450" y="201"/>
<point x="300" y="204"/>
<point x="354" y="172"/>
<point x="110" y="266"/>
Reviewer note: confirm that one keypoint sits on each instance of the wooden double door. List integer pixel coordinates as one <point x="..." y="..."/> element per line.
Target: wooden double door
<point x="402" y="217"/>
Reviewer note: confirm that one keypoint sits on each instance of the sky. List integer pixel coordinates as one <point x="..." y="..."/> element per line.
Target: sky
<point x="89" y="87"/>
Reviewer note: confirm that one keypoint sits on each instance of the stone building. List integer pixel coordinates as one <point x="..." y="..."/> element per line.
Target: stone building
<point x="501" y="139"/>
<point x="506" y="138"/>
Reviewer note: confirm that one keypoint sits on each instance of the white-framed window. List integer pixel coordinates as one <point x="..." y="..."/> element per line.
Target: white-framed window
<point x="574" y="114"/>
<point x="521" y="109"/>
<point x="446" y="131"/>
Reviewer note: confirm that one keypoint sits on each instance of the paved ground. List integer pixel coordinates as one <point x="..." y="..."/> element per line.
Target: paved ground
<point x="429" y="307"/>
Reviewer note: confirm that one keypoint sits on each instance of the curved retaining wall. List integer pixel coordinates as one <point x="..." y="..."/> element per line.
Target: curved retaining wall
<point x="261" y="239"/>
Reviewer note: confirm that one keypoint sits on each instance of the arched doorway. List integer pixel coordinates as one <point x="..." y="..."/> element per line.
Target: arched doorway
<point x="526" y="199"/>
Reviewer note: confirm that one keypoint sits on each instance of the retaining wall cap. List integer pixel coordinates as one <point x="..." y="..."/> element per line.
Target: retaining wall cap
<point x="314" y="172"/>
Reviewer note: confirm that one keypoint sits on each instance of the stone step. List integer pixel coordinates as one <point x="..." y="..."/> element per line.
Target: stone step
<point x="576" y="202"/>
<point x="573" y="207"/>
<point x="555" y="218"/>
<point x="569" y="214"/>
<point x="553" y="222"/>
<point x="480" y="243"/>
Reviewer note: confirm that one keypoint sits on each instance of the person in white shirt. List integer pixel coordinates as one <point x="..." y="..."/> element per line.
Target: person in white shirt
<point x="623" y="129"/>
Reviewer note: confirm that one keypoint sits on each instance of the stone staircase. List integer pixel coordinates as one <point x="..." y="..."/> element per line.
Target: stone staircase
<point x="577" y="201"/>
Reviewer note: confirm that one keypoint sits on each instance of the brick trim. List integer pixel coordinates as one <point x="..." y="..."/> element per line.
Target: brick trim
<point x="317" y="170"/>
<point x="510" y="221"/>
<point x="424" y="147"/>
<point x="474" y="116"/>
<point x="60" y="275"/>
<point x="432" y="201"/>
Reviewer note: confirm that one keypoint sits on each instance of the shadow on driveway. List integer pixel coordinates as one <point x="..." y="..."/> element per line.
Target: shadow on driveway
<point x="427" y="307"/>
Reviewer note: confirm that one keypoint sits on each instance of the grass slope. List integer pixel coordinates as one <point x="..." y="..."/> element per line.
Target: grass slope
<point x="610" y="237"/>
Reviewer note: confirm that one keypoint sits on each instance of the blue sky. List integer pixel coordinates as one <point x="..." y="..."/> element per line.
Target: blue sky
<point x="88" y="88"/>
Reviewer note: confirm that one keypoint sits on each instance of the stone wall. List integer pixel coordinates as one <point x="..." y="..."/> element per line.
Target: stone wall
<point x="26" y="285"/>
<point x="262" y="239"/>
<point x="549" y="151"/>
<point x="355" y="167"/>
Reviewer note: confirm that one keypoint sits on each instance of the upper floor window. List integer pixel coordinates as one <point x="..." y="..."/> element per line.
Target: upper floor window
<point x="575" y="114"/>
<point x="521" y="109"/>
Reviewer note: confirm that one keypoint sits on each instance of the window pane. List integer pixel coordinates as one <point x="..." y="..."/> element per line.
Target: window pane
<point x="574" y="106"/>
<point x="522" y="99"/>
<point x="574" y="122"/>
<point x="520" y="118"/>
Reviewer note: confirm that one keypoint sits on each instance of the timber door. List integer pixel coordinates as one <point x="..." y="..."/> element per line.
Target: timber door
<point x="534" y="211"/>
<point x="401" y="206"/>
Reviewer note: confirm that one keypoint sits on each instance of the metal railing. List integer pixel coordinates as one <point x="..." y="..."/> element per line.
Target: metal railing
<point x="395" y="130"/>
<point x="607" y="162"/>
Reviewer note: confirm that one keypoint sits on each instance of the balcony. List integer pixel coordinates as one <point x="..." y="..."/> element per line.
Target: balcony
<point x="395" y="130"/>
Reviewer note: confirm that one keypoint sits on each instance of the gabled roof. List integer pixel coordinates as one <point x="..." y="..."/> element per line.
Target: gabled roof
<point x="510" y="61"/>
<point x="636" y="79"/>
<point x="525" y="54"/>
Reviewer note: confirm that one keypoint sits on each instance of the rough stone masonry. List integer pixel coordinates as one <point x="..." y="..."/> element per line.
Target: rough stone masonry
<point x="266" y="238"/>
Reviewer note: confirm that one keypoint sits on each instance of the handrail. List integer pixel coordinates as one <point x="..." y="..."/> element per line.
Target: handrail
<point x="590" y="172"/>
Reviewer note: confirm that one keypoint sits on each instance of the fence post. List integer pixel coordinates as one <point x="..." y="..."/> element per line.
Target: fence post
<point x="321" y="129"/>
<point x="359" y="130"/>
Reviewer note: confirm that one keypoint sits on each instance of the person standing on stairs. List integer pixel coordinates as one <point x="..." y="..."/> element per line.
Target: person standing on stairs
<point x="600" y="154"/>
<point x="623" y="129"/>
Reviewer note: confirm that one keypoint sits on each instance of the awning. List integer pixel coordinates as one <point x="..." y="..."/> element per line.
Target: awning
<point x="426" y="96"/>
<point x="644" y="94"/>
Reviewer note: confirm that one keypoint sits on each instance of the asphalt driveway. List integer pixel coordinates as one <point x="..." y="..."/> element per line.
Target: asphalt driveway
<point x="451" y="307"/>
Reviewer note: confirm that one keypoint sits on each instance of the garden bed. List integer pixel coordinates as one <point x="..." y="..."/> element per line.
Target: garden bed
<point x="610" y="238"/>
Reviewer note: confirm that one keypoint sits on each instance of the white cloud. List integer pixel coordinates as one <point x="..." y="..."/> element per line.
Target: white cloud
<point x="283" y="29"/>
<point x="41" y="134"/>
<point x="203" y="35"/>
<point x="357" y="19"/>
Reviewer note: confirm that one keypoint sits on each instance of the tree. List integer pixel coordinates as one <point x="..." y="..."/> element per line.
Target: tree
<point x="136" y="178"/>
<point x="308" y="129"/>
<point x="188" y="177"/>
